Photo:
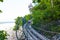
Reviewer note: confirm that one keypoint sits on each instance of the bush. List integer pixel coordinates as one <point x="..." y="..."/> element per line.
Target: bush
<point x="3" y="35"/>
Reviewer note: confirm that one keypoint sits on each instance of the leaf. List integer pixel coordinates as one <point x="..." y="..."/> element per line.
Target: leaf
<point x="0" y="11"/>
<point x="1" y="0"/>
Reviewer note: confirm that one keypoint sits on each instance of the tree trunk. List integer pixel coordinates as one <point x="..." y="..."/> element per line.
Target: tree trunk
<point x="16" y="35"/>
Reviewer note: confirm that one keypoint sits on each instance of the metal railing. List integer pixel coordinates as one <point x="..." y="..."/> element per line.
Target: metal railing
<point x="31" y="34"/>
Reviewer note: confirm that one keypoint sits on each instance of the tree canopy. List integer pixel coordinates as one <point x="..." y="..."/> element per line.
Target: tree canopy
<point x="46" y="16"/>
<point x="3" y="35"/>
<point x="1" y="1"/>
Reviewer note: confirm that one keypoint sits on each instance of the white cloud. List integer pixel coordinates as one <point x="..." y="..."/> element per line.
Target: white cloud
<point x="14" y="8"/>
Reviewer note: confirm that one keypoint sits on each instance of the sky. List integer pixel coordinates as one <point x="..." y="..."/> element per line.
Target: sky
<point x="13" y="8"/>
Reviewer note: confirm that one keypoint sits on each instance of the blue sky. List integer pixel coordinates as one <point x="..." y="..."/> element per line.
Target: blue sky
<point x="13" y="8"/>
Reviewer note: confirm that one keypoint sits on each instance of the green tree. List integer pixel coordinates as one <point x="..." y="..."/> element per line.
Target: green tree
<point x="18" y="23"/>
<point x="1" y="1"/>
<point x="46" y="14"/>
<point x="28" y="17"/>
<point x="3" y="35"/>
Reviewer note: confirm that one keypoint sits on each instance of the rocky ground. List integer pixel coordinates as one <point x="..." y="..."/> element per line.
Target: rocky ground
<point x="12" y="35"/>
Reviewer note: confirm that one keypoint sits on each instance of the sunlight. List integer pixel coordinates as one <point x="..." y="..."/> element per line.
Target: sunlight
<point x="11" y="10"/>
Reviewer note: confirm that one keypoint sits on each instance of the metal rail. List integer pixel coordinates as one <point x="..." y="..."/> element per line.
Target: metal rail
<point x="32" y="34"/>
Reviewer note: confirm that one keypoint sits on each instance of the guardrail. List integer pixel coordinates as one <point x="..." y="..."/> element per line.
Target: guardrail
<point x="31" y="34"/>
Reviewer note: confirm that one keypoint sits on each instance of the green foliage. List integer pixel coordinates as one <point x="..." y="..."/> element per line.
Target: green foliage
<point x="34" y="1"/>
<point x="0" y="11"/>
<point x="3" y="35"/>
<point x="44" y="15"/>
<point x="18" y="23"/>
<point x="1" y="0"/>
<point x="27" y="17"/>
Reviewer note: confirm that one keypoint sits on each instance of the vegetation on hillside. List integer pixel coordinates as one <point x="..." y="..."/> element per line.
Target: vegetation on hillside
<point x="46" y="16"/>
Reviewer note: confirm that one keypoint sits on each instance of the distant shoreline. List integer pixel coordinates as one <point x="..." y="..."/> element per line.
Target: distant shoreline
<point x="6" y="22"/>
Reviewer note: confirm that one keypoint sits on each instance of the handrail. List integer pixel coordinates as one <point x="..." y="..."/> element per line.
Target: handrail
<point x="32" y="35"/>
<point x="27" y="36"/>
<point x="34" y="32"/>
<point x="37" y="34"/>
